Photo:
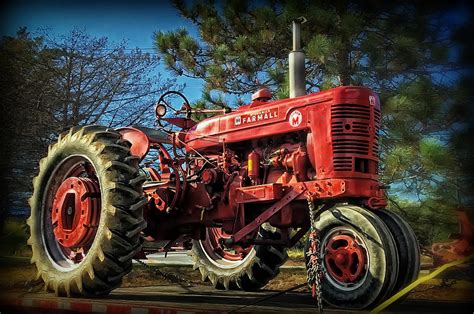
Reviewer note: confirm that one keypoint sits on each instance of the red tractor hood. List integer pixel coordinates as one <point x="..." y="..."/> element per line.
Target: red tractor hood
<point x="263" y="119"/>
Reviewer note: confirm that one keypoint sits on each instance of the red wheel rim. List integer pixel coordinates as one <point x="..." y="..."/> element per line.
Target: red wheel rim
<point x="75" y="213"/>
<point x="72" y="211"/>
<point x="345" y="257"/>
<point x="215" y="250"/>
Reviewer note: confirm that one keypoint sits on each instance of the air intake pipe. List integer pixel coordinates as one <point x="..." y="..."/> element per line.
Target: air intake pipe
<point x="296" y="62"/>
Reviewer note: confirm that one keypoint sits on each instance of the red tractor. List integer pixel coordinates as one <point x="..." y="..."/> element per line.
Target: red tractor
<point x="242" y="187"/>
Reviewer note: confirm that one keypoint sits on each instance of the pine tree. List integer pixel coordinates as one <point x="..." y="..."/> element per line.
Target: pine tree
<point x="406" y="52"/>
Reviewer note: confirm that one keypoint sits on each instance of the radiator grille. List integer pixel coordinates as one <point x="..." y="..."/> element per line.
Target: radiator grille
<point x="343" y="163"/>
<point x="350" y="111"/>
<point x="354" y="136"/>
<point x="344" y="146"/>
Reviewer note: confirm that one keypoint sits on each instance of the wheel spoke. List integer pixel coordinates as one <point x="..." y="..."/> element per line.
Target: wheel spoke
<point x="345" y="257"/>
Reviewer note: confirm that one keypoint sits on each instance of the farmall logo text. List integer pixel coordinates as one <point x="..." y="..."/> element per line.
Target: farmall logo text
<point x="254" y="117"/>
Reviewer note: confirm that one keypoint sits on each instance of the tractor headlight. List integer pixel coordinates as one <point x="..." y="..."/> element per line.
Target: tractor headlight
<point x="160" y="110"/>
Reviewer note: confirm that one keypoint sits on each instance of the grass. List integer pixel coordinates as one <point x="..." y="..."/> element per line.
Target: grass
<point x="13" y="238"/>
<point x="296" y="254"/>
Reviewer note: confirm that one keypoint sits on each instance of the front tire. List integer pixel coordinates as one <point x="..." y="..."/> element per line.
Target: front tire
<point x="407" y="247"/>
<point x="86" y="212"/>
<point x="360" y="261"/>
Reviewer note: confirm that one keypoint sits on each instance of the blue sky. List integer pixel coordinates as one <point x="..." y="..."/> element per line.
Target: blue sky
<point x="134" y="21"/>
<point x="118" y="20"/>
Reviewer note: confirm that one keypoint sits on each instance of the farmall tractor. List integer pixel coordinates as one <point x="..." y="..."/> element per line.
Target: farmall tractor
<point x="242" y="187"/>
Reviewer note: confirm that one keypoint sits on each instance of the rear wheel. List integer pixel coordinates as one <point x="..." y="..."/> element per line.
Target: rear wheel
<point x="360" y="258"/>
<point x="247" y="268"/>
<point x="86" y="212"/>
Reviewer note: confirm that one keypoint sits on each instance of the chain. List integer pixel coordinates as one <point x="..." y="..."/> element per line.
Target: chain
<point x="173" y="278"/>
<point x="314" y="267"/>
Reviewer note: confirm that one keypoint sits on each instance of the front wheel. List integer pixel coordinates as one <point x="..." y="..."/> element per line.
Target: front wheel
<point x="407" y="247"/>
<point x="360" y="260"/>
<point x="86" y="212"/>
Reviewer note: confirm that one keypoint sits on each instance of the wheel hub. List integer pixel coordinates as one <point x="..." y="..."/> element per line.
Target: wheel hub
<point x="345" y="259"/>
<point x="235" y="254"/>
<point x="341" y="259"/>
<point x="75" y="212"/>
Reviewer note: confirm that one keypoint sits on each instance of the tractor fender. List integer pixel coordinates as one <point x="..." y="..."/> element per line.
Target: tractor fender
<point x="142" y="138"/>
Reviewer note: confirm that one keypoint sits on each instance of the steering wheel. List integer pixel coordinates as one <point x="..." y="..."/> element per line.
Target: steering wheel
<point x="164" y="116"/>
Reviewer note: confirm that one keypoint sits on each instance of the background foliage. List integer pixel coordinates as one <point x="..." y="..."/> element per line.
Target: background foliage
<point x="50" y="84"/>
<point x="417" y="56"/>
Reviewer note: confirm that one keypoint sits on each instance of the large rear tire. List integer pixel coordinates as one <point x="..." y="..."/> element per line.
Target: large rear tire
<point x="86" y="212"/>
<point x="360" y="257"/>
<point x="246" y="269"/>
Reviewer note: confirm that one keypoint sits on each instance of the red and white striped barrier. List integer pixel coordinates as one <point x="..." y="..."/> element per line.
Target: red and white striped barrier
<point x="92" y="306"/>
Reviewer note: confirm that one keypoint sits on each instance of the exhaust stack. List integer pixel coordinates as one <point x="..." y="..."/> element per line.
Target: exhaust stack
<point x="296" y="62"/>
